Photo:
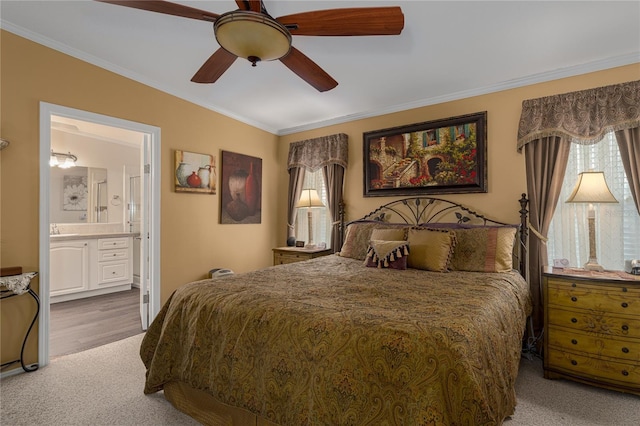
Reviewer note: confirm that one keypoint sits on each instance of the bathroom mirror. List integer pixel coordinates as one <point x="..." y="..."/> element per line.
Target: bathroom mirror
<point x="78" y="195"/>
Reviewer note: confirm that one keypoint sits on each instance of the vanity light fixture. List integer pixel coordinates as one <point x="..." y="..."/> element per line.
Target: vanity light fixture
<point x="64" y="161"/>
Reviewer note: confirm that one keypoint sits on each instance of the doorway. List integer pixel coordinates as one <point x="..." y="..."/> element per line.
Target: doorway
<point x="147" y="139"/>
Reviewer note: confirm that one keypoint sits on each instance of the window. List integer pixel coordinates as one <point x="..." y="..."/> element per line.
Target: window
<point x="617" y="225"/>
<point x="320" y="216"/>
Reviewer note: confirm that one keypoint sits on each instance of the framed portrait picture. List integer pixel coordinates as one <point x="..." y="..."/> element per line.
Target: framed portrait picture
<point x="434" y="157"/>
<point x="240" y="189"/>
<point x="195" y="172"/>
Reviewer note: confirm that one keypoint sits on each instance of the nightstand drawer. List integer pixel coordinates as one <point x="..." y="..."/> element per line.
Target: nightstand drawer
<point x="596" y="369"/>
<point x="284" y="255"/>
<point x="601" y="297"/>
<point x="566" y="340"/>
<point x="283" y="258"/>
<point x="596" y="322"/>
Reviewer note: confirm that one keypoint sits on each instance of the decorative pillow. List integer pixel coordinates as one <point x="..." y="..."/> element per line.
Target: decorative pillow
<point x="431" y="249"/>
<point x="389" y="234"/>
<point x="486" y="249"/>
<point x="387" y="254"/>
<point x="358" y="235"/>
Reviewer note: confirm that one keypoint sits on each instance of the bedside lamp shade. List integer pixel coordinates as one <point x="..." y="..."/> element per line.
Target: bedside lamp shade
<point x="309" y="198"/>
<point x="591" y="188"/>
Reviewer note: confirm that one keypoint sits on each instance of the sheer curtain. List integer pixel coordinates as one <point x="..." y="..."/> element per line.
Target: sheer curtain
<point x="547" y="125"/>
<point x="617" y="225"/>
<point x="329" y="155"/>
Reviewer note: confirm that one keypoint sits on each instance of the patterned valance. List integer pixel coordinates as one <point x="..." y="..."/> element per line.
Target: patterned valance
<point x="316" y="153"/>
<point x="583" y="116"/>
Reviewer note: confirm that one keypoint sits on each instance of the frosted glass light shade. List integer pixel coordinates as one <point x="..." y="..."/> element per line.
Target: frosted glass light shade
<point x="591" y="188"/>
<point x="309" y="198"/>
<point x="253" y="36"/>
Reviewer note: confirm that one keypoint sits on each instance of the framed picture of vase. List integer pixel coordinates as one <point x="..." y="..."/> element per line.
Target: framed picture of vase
<point x="240" y="189"/>
<point x="447" y="156"/>
<point x="195" y="172"/>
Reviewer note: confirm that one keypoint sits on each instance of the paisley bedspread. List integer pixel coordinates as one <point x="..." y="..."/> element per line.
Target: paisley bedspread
<point x="331" y="342"/>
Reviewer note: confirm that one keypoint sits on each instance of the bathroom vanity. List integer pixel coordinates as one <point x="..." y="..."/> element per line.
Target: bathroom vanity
<point x="85" y="265"/>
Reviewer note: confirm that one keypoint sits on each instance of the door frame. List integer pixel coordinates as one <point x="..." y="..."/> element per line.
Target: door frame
<point x="151" y="149"/>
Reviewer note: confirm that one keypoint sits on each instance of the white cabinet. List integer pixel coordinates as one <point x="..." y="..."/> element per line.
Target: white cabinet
<point x="90" y="267"/>
<point x="69" y="271"/>
<point x="115" y="259"/>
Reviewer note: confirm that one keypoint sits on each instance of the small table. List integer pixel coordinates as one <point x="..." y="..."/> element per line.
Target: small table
<point x="283" y="255"/>
<point x="22" y="283"/>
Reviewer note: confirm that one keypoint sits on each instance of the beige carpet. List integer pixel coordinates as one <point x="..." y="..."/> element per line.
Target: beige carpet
<point x="103" y="386"/>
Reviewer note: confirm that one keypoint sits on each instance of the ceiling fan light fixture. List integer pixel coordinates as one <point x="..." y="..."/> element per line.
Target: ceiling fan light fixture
<point x="252" y="36"/>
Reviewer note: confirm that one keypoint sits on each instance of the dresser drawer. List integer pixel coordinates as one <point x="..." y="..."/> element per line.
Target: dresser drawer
<point x="625" y="374"/>
<point x="618" y="299"/>
<point x="106" y="255"/>
<point x="595" y="322"/>
<point x="113" y="243"/>
<point x="566" y="340"/>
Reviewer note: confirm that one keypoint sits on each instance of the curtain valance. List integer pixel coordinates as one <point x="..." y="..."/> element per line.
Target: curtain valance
<point x="313" y="154"/>
<point x="584" y="116"/>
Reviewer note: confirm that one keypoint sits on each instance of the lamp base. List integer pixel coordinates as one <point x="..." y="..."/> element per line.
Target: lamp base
<point x="593" y="265"/>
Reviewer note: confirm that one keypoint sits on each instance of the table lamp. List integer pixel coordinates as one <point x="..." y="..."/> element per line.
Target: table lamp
<point x="591" y="188"/>
<point x="309" y="198"/>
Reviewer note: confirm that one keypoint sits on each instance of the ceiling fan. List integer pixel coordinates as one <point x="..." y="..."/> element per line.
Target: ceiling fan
<point x="251" y="33"/>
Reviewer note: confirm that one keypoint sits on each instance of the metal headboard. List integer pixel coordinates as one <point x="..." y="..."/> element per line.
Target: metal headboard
<point x="426" y="210"/>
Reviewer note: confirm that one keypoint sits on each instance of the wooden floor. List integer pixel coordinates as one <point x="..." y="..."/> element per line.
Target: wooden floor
<point x="82" y="324"/>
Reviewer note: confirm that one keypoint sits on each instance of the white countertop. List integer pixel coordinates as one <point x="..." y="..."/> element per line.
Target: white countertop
<point x="67" y="237"/>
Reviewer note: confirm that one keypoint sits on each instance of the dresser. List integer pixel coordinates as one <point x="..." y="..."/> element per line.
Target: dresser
<point x="282" y="255"/>
<point x="592" y="328"/>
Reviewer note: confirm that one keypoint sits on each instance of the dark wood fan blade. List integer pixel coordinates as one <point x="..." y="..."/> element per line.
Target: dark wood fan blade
<point x="308" y="70"/>
<point x="214" y="67"/>
<point x="167" y="8"/>
<point x="346" y="22"/>
<point x="252" y="5"/>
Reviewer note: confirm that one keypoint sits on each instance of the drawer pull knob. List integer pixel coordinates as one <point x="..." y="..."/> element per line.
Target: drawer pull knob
<point x="574" y="362"/>
<point x="573" y="284"/>
<point x="625" y="327"/>
<point x="574" y="320"/>
<point x="625" y="350"/>
<point x="624" y="289"/>
<point x="625" y="304"/>
<point x="574" y="341"/>
<point x="625" y="373"/>
<point x="574" y="299"/>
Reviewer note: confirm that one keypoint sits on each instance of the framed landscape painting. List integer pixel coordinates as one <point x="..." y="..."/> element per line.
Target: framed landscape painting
<point x="435" y="157"/>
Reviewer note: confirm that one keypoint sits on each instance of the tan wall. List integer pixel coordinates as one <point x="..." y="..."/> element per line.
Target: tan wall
<point x="192" y="240"/>
<point x="506" y="167"/>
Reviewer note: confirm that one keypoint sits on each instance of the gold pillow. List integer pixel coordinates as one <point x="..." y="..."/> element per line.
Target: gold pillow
<point x="486" y="249"/>
<point x="358" y="235"/>
<point x="389" y="234"/>
<point x="431" y="249"/>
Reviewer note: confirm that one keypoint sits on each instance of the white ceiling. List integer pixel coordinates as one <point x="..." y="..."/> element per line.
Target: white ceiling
<point x="448" y="50"/>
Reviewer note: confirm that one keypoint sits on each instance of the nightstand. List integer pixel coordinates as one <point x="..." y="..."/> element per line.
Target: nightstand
<point x="282" y="255"/>
<point x="592" y="327"/>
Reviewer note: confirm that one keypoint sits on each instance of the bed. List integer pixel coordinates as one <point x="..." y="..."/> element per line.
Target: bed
<point x="422" y="330"/>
